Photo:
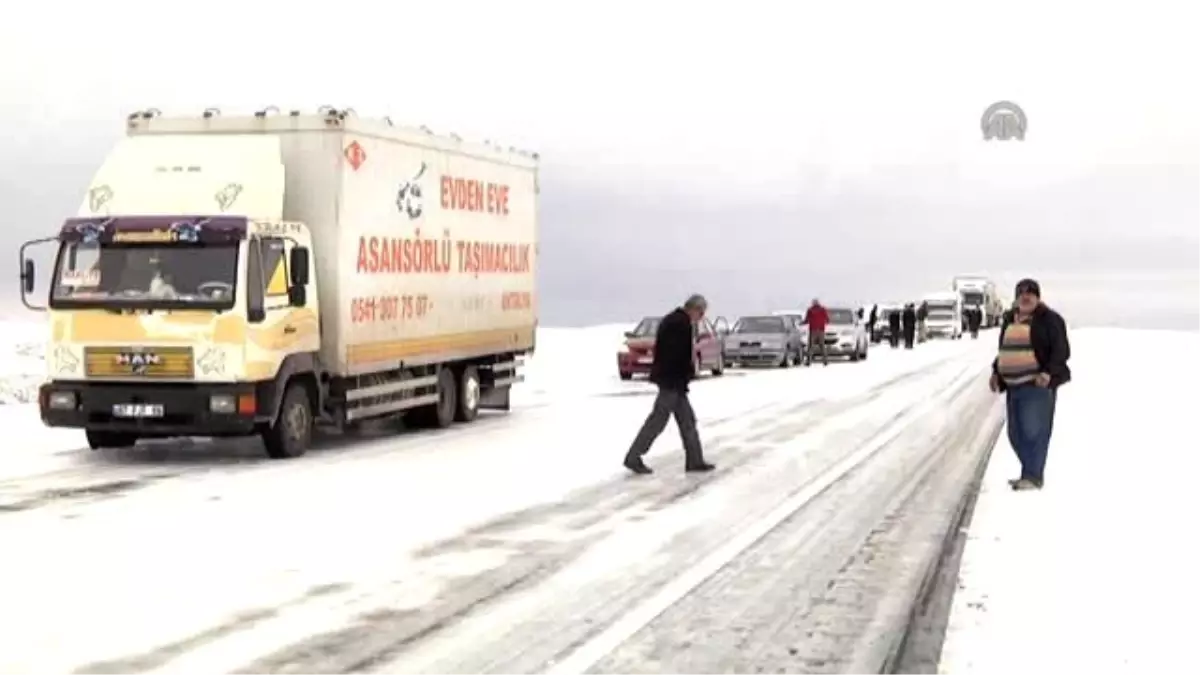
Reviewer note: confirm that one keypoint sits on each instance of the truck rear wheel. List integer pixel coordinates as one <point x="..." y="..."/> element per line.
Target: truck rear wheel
<point x="468" y="395"/>
<point x="110" y="439"/>
<point x="291" y="434"/>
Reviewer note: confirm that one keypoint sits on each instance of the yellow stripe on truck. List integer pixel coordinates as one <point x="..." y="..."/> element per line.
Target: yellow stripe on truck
<point x="505" y="339"/>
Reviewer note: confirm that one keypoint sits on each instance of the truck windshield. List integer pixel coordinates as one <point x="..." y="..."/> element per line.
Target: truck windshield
<point x="145" y="276"/>
<point x="972" y="298"/>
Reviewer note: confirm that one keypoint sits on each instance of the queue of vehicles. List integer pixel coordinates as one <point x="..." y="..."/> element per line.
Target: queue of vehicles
<point x="779" y="339"/>
<point x="944" y="313"/>
<point x="265" y="274"/>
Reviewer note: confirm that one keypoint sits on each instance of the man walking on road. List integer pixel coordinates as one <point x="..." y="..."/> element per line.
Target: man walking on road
<point x="871" y="322"/>
<point x="974" y="318"/>
<point x="817" y="318"/>
<point x="673" y="368"/>
<point x="1031" y="366"/>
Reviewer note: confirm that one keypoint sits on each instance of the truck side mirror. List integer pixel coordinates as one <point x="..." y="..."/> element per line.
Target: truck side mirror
<point x="297" y="296"/>
<point x="256" y="314"/>
<point x="298" y="267"/>
<point x="28" y="275"/>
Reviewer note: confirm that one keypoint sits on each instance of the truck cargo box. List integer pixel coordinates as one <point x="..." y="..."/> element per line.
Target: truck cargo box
<point x="425" y="247"/>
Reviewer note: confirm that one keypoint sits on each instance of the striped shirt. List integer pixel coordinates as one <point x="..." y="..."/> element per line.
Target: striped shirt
<point x="1017" y="364"/>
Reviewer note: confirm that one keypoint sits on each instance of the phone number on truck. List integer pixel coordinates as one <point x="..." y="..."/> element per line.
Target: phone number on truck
<point x="389" y="308"/>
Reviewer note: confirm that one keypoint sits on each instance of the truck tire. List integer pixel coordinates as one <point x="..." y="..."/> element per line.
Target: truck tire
<point x="110" y="439"/>
<point x="291" y="434"/>
<point x="441" y="414"/>
<point x="467" y="408"/>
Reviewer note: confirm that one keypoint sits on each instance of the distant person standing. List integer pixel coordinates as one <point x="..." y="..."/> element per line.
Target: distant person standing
<point x="673" y="369"/>
<point x="871" y="322"/>
<point x="1031" y="366"/>
<point x="909" y="318"/>
<point x="817" y="318"/>
<point x="894" y="328"/>
<point x="974" y="319"/>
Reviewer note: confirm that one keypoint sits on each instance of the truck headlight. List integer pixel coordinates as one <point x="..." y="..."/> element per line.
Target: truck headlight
<point x="222" y="404"/>
<point x="62" y="400"/>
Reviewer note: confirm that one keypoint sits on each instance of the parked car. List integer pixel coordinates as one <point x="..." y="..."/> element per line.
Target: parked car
<point x="637" y="354"/>
<point x="846" y="334"/>
<point x="765" y="340"/>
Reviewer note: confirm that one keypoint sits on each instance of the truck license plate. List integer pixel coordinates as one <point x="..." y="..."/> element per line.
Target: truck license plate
<point x="138" y="410"/>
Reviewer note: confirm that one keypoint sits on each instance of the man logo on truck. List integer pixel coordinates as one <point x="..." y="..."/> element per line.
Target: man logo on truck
<point x="138" y="362"/>
<point x="408" y="197"/>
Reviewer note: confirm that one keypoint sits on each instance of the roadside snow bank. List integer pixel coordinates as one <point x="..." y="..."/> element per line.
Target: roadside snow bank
<point x="1097" y="571"/>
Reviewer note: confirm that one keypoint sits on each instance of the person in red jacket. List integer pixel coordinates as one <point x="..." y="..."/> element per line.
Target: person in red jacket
<point x="817" y="318"/>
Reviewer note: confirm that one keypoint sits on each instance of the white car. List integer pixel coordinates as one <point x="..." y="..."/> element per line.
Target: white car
<point x="846" y="334"/>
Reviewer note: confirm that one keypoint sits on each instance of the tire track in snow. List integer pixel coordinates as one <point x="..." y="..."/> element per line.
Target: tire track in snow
<point x="517" y="553"/>
<point x="806" y="597"/>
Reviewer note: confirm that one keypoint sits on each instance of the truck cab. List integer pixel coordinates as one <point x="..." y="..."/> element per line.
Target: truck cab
<point x="179" y="325"/>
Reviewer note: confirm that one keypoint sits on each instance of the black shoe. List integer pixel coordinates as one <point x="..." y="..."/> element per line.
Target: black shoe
<point x="636" y="465"/>
<point x="701" y="467"/>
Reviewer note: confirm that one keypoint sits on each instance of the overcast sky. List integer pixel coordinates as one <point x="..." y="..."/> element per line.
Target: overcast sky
<point x="761" y="152"/>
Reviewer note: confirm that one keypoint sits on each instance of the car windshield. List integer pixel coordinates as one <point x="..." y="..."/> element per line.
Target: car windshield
<point x="841" y="316"/>
<point x="646" y="328"/>
<point x="142" y="275"/>
<point x="759" y="324"/>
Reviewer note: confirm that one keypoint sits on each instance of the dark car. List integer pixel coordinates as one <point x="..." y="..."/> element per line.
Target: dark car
<point x="637" y="354"/>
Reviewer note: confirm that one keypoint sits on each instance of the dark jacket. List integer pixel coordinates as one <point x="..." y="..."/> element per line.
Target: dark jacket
<point x="674" y="349"/>
<point x="894" y="318"/>
<point x="909" y="317"/>
<point x="1048" y="337"/>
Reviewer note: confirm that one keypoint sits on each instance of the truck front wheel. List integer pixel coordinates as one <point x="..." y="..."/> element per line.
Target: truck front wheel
<point x="441" y="414"/>
<point x="110" y="439"/>
<point x="291" y="434"/>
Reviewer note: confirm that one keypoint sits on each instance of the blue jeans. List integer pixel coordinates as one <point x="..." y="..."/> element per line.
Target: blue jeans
<point x="1030" y="423"/>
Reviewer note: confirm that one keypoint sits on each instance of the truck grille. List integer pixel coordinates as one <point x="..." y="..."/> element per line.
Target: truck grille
<point x="150" y="362"/>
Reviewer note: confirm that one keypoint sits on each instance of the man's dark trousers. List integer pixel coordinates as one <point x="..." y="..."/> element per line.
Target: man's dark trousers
<point x="670" y="401"/>
<point x="1030" y="424"/>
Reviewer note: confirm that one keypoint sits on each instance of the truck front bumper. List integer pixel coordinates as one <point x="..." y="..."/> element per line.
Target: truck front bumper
<point x="186" y="409"/>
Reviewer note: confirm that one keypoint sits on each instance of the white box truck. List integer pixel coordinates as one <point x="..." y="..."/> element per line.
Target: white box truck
<point x="978" y="291"/>
<point x="263" y="274"/>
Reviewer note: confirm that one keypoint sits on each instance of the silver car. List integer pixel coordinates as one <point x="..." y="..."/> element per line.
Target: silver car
<point x="765" y="340"/>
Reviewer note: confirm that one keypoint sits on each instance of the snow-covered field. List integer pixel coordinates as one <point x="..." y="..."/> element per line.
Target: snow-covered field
<point x="514" y="544"/>
<point x="1098" y="571"/>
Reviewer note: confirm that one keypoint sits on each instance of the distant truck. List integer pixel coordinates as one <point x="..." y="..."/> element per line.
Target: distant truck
<point x="231" y="276"/>
<point x="943" y="314"/>
<point x="979" y="291"/>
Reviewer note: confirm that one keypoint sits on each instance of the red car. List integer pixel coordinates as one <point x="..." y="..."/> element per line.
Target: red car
<point x="637" y="354"/>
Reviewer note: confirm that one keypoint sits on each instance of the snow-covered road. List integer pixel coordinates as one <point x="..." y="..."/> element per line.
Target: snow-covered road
<point x="515" y="544"/>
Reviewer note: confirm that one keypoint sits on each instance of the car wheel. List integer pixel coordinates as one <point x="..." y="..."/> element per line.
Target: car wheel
<point x="625" y="376"/>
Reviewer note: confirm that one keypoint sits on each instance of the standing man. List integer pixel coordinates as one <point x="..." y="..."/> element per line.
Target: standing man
<point x="910" y="325"/>
<point x="817" y="318"/>
<point x="894" y="328"/>
<point x="974" y="318"/>
<point x="1031" y="366"/>
<point x="871" y="322"/>
<point x="673" y="368"/>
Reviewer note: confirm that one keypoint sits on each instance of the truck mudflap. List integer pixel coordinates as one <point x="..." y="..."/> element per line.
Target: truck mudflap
<point x="161" y="410"/>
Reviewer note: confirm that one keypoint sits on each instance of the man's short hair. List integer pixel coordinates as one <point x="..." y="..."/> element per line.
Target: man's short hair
<point x="696" y="301"/>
